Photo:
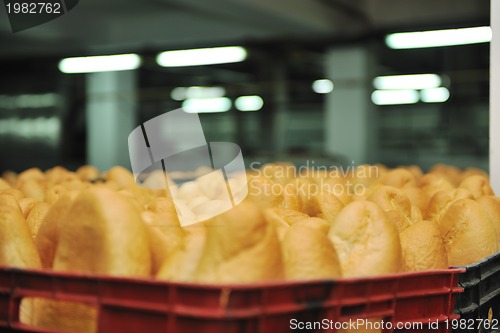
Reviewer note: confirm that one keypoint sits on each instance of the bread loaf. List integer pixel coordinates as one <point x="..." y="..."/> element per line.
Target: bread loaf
<point x="241" y="247"/>
<point x="423" y="247"/>
<point x="478" y="185"/>
<point x="440" y="202"/>
<point x="395" y="203"/>
<point x="182" y="263"/>
<point x="491" y="206"/>
<point x="101" y="234"/>
<point x="49" y="229"/>
<point x="366" y="241"/>
<point x="399" y="178"/>
<point x="468" y="233"/>
<point x="309" y="254"/>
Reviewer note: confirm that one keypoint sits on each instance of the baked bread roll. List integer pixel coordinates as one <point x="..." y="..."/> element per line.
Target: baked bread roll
<point x="110" y="229"/>
<point x="181" y="264"/>
<point x="164" y="230"/>
<point x="165" y="206"/>
<point x="363" y="193"/>
<point x="132" y="198"/>
<point x="415" y="170"/>
<point x="189" y="190"/>
<point x="471" y="171"/>
<point x="17" y="247"/>
<point x="440" y="202"/>
<point x="32" y="189"/>
<point x="264" y="192"/>
<point x="241" y="247"/>
<point x="54" y="193"/>
<point x="337" y="186"/>
<point x="416" y="215"/>
<point x="395" y="204"/>
<point x="18" y="250"/>
<point x="291" y="197"/>
<point x="88" y="173"/>
<point x="13" y="192"/>
<point x="382" y="168"/>
<point x="491" y="206"/>
<point x="34" y="174"/>
<point x="9" y="201"/>
<point x="433" y="183"/>
<point x="316" y="203"/>
<point x="315" y="223"/>
<point x="157" y="179"/>
<point x="478" y="185"/>
<point x="451" y="173"/>
<point x="315" y="175"/>
<point x="399" y="178"/>
<point x="58" y="175"/>
<point x="309" y="254"/>
<point x="365" y="175"/>
<point x="10" y="177"/>
<point x="36" y="216"/>
<point x="468" y="233"/>
<point x="26" y="204"/>
<point x="105" y="235"/>
<point x="366" y="241"/>
<point x="121" y="176"/>
<point x="4" y="184"/>
<point x="143" y="195"/>
<point x="164" y="237"/>
<point x="282" y="218"/>
<point x="49" y="228"/>
<point x="281" y="173"/>
<point x="418" y="197"/>
<point x="212" y="186"/>
<point x="281" y="214"/>
<point x="423" y="247"/>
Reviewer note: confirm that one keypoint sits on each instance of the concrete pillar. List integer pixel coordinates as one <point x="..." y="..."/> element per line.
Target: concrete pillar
<point x="349" y="119"/>
<point x="111" y="116"/>
<point x="280" y="112"/>
<point x="495" y="97"/>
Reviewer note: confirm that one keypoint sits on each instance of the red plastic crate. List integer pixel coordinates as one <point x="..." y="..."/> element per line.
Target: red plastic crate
<point x="138" y="305"/>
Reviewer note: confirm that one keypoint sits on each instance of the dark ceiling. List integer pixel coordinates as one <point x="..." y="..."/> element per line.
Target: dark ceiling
<point x="111" y="26"/>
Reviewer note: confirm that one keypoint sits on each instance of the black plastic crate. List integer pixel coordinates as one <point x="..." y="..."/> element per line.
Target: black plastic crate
<point x="479" y="304"/>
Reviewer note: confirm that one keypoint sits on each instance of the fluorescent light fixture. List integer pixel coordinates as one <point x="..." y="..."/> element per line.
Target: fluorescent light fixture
<point x="182" y="93"/>
<point x="206" y="105"/>
<point x="249" y="103"/>
<point x="415" y="81"/>
<point x="393" y="97"/>
<point x="323" y="86"/>
<point x="37" y="101"/>
<point x="197" y="57"/>
<point x="29" y="101"/>
<point x="435" y="95"/>
<point x="108" y="63"/>
<point x="437" y="38"/>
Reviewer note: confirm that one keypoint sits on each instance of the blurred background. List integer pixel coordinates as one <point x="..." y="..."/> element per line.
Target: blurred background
<point x="309" y="84"/>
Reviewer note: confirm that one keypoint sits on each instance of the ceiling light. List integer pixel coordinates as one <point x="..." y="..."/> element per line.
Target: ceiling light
<point x="182" y="93"/>
<point x="108" y="63"/>
<point x="206" y="105"/>
<point x="323" y="86"/>
<point x="435" y="95"/>
<point x="197" y="57"/>
<point x="393" y="97"/>
<point x="415" y="81"/>
<point x="437" y="38"/>
<point x="249" y="103"/>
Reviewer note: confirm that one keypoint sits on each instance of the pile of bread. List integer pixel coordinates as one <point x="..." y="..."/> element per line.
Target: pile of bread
<point x="293" y="225"/>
